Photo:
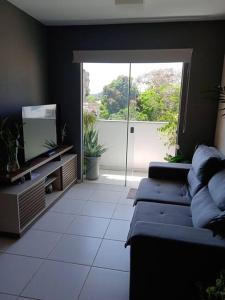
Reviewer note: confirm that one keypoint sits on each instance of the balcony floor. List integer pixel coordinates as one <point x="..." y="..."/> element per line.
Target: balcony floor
<point x="118" y="177"/>
<point x="74" y="251"/>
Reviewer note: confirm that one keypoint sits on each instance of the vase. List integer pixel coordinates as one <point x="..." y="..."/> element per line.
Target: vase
<point x="13" y="163"/>
<point x="92" y="168"/>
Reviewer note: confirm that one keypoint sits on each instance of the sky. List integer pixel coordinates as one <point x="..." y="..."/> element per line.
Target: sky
<point x="101" y="74"/>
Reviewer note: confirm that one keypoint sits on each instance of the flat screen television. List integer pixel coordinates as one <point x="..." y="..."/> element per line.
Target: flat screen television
<point x="39" y="130"/>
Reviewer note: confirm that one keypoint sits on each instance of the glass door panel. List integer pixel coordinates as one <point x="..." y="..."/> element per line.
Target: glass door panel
<point x="105" y="96"/>
<point x="153" y="116"/>
<point x="134" y="110"/>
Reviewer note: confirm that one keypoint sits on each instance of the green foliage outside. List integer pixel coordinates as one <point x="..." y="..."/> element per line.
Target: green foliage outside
<point x="156" y="103"/>
<point x="161" y="103"/>
<point x="89" y="120"/>
<point x="115" y="96"/>
<point x="91" y="98"/>
<point x="154" y="96"/>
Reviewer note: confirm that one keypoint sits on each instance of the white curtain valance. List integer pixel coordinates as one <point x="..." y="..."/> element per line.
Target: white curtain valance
<point x="132" y="56"/>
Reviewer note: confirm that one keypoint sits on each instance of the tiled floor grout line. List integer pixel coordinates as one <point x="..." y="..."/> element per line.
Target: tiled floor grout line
<point x="95" y="201"/>
<point x="96" y="252"/>
<point x="14" y="295"/>
<point x="96" y="255"/>
<point x="109" y="186"/>
<point x="113" y="218"/>
<point x="62" y="234"/>
<point x="33" y="275"/>
<point x="65" y="262"/>
<point x="84" y="235"/>
<point x="90" y="269"/>
<point x="78" y="214"/>
<point x="99" y="249"/>
<point x="25" y="298"/>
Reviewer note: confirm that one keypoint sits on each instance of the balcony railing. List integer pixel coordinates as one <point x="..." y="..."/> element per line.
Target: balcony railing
<point x="145" y="144"/>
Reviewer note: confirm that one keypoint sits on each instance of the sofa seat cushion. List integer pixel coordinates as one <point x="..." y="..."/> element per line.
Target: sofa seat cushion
<point x="205" y="213"/>
<point x="206" y="162"/>
<point x="161" y="213"/>
<point x="217" y="189"/>
<point x="163" y="191"/>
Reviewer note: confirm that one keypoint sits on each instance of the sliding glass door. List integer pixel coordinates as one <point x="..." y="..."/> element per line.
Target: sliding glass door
<point x="106" y="99"/>
<point x="133" y="109"/>
<point x="153" y="117"/>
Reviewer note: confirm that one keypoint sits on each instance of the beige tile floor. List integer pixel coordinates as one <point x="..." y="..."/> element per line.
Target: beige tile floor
<point x="75" y="251"/>
<point x="118" y="177"/>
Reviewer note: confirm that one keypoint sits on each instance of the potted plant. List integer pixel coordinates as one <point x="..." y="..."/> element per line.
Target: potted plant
<point x="177" y="158"/>
<point x="217" y="93"/>
<point x="92" y="149"/>
<point x="214" y="292"/>
<point x="10" y="139"/>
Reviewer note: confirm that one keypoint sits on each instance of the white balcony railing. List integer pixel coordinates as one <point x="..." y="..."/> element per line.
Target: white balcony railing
<point x="145" y="144"/>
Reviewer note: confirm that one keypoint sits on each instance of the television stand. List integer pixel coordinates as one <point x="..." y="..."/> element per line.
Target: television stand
<point x="22" y="204"/>
<point x="50" y="153"/>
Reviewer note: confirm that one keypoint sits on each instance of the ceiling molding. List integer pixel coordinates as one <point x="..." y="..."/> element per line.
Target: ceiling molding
<point x="135" y="20"/>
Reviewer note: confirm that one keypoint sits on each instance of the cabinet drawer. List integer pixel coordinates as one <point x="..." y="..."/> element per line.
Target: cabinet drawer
<point x="69" y="172"/>
<point x="31" y="203"/>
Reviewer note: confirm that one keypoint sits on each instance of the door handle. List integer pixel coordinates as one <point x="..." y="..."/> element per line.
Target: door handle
<point x="131" y="129"/>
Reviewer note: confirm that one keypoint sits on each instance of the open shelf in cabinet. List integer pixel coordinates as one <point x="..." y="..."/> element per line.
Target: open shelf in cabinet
<point x="22" y="204"/>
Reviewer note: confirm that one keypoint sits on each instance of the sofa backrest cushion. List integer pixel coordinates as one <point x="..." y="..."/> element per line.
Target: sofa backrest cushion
<point x="216" y="187"/>
<point x="206" y="162"/>
<point x="205" y="213"/>
<point x="194" y="184"/>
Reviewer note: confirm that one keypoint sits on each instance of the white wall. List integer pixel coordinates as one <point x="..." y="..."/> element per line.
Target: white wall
<point x="145" y="144"/>
<point x="220" y="128"/>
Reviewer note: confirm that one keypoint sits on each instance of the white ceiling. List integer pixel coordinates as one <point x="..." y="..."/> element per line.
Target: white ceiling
<point x="67" y="12"/>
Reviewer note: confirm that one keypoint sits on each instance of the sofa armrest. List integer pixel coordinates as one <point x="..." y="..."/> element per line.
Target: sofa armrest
<point x="164" y="170"/>
<point x="175" y="233"/>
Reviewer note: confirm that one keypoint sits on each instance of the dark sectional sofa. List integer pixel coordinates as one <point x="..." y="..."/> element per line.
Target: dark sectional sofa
<point x="176" y="236"/>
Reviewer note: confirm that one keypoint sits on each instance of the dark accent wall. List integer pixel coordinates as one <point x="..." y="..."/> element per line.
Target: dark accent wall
<point x="204" y="37"/>
<point x="23" y="60"/>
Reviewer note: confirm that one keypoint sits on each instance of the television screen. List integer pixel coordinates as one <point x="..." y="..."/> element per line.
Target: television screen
<point x="39" y="130"/>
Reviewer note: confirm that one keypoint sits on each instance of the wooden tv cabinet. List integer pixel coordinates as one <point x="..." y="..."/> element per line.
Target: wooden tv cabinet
<point x="21" y="204"/>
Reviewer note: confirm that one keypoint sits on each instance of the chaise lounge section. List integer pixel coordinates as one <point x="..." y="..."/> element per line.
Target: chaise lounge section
<point x="176" y="234"/>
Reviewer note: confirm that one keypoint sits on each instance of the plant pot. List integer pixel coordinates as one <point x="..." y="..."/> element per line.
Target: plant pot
<point x="92" y="168"/>
<point x="13" y="164"/>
